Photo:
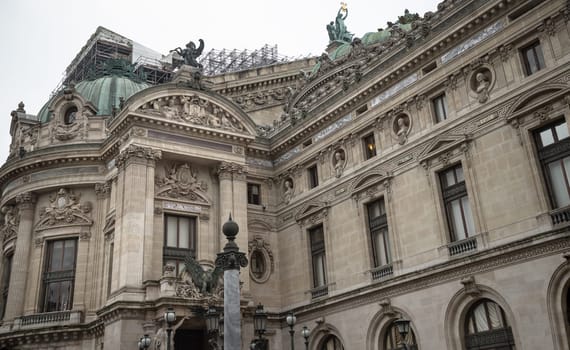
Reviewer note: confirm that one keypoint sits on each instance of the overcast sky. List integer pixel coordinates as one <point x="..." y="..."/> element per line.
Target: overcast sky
<point x="38" y="39"/>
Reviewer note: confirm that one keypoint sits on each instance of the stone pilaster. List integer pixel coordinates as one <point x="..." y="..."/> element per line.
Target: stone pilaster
<point x="96" y="272"/>
<point x="135" y="215"/>
<point x="20" y="263"/>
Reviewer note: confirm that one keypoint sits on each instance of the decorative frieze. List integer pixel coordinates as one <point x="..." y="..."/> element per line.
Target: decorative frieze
<point x="473" y="41"/>
<point x="193" y="110"/>
<point x="180" y="181"/>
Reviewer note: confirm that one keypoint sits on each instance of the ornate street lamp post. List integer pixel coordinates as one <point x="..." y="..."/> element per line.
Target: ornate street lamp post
<point x="213" y="326"/>
<point x="230" y="260"/>
<point x="260" y="326"/>
<point x="169" y="318"/>
<point x="306" y="332"/>
<point x="403" y="327"/>
<point x="291" y="319"/>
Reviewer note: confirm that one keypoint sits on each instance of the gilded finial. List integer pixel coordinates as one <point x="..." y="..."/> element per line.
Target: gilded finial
<point x="343" y="6"/>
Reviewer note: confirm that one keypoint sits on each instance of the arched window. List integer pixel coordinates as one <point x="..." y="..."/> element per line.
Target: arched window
<point x="331" y="343"/>
<point x="393" y="340"/>
<point x="69" y="116"/>
<point x="486" y="327"/>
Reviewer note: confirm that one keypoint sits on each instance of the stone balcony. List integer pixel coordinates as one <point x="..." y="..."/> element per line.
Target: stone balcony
<point x="47" y="319"/>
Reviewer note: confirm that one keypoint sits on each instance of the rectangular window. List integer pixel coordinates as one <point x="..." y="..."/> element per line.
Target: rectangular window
<point x="369" y="146"/>
<point x="313" y="176"/>
<point x="317" y="239"/>
<point x="110" y="268"/>
<point x="253" y="194"/>
<point x="179" y="239"/>
<point x="378" y="226"/>
<point x="6" y="271"/>
<point x="59" y="275"/>
<point x="553" y="144"/>
<point x="440" y="108"/>
<point x="458" y="210"/>
<point x="533" y="58"/>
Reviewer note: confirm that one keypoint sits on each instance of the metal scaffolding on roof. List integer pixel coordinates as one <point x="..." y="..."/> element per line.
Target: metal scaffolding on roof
<point x="224" y="61"/>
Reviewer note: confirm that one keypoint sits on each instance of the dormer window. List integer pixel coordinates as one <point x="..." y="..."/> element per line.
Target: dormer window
<point x="70" y="114"/>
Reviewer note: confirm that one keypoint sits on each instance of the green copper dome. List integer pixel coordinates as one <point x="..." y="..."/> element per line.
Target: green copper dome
<point x="115" y="80"/>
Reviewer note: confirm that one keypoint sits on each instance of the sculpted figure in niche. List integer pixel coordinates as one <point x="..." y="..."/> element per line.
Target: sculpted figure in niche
<point x="339" y="161"/>
<point x="482" y="87"/>
<point x="402" y="128"/>
<point x="287" y="191"/>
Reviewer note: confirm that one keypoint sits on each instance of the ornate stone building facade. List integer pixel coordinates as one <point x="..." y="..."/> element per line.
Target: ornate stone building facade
<point x="419" y="172"/>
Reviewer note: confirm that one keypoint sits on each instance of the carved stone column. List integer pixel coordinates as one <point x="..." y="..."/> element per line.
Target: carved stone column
<point x="20" y="261"/>
<point x="135" y="215"/>
<point x="226" y="194"/>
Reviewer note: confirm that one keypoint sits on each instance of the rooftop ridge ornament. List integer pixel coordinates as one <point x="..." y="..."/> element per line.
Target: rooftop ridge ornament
<point x="337" y="29"/>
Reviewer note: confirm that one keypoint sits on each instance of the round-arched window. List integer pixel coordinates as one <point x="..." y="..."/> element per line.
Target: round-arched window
<point x="70" y="115"/>
<point x="331" y="343"/>
<point x="393" y="340"/>
<point x="486" y="324"/>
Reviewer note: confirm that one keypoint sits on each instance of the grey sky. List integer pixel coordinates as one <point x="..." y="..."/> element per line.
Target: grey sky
<point x="38" y="39"/>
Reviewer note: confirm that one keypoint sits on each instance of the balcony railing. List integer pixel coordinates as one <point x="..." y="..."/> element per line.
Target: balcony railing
<point x="381" y="272"/>
<point x="560" y="215"/>
<point x="319" y="292"/>
<point x="48" y="319"/>
<point x="494" y="339"/>
<point x="463" y="246"/>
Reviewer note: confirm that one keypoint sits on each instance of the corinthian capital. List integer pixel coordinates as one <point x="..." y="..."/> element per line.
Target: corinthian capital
<point x="26" y="200"/>
<point x="138" y="154"/>
<point x="228" y="170"/>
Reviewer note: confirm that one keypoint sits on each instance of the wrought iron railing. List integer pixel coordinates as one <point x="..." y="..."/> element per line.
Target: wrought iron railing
<point x="319" y="292"/>
<point x="382" y="271"/>
<point x="494" y="339"/>
<point x="463" y="246"/>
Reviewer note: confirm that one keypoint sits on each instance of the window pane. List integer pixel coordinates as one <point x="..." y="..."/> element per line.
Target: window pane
<point x="183" y="238"/>
<point x="561" y="131"/>
<point x="440" y="108"/>
<point x="319" y="270"/>
<point x="56" y="256"/>
<point x="459" y="174"/>
<point x="546" y="137"/>
<point x="171" y="231"/>
<point x="69" y="255"/>
<point x="317" y="235"/>
<point x="449" y="178"/>
<point x="540" y="58"/>
<point x="531" y="61"/>
<point x="381" y="248"/>
<point x="468" y="216"/>
<point x="495" y="316"/>
<point x="558" y="181"/>
<point x="480" y="316"/>
<point x="457" y="220"/>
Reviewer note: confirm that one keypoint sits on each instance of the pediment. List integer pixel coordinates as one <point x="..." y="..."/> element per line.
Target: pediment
<point x="310" y="209"/>
<point x="366" y="180"/>
<point x="440" y="145"/>
<point x="196" y="108"/>
<point x="536" y="98"/>
<point x="64" y="210"/>
<point x="257" y="225"/>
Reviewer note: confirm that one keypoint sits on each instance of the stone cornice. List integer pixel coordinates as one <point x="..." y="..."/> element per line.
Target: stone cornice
<point x="384" y="79"/>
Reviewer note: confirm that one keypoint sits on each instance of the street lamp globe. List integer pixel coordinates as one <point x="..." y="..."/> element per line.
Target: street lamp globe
<point x="291" y="319"/>
<point x="145" y="340"/>
<point x="306" y="332"/>
<point x="169" y="316"/>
